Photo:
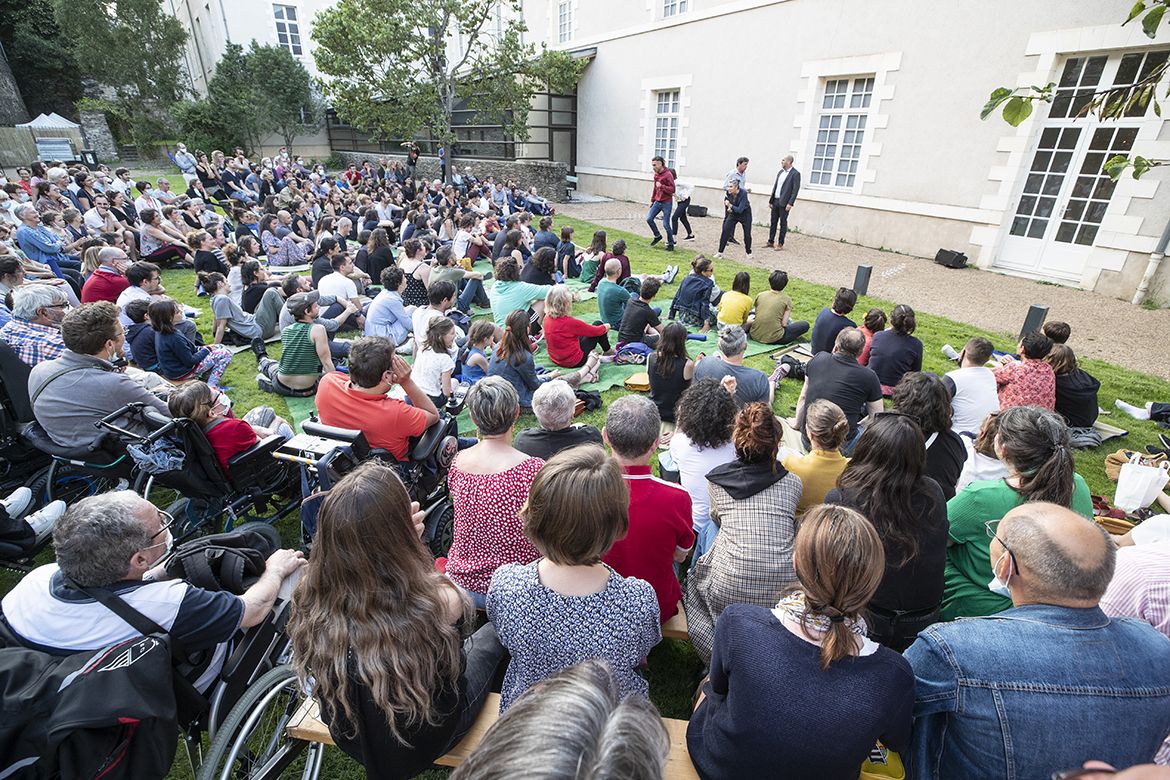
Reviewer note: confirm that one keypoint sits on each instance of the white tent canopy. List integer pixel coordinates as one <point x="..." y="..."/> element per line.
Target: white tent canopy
<point x="52" y="121"/>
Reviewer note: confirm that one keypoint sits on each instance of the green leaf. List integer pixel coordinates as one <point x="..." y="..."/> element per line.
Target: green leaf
<point x="1152" y="20"/>
<point x="1135" y="12"/>
<point x="1115" y="166"/>
<point x="1157" y="109"/>
<point x="997" y="97"/>
<point x="1017" y="110"/>
<point x="1141" y="165"/>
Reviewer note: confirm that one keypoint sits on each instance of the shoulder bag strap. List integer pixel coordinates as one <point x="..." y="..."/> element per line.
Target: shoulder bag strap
<point x="51" y="379"/>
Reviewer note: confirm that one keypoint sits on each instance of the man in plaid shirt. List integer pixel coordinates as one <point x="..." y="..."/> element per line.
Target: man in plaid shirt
<point x="34" y="333"/>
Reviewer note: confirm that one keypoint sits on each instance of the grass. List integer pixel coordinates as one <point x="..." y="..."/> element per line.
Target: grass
<point x="674" y="668"/>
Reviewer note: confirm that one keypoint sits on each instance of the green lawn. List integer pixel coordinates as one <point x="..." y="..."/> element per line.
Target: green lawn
<point x="674" y="668"/>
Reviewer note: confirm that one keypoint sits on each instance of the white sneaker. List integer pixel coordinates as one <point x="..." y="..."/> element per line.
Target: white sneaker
<point x="42" y="522"/>
<point x="718" y="255"/>
<point x="407" y="347"/>
<point x="949" y="352"/>
<point x="749" y="256"/>
<point x="18" y="503"/>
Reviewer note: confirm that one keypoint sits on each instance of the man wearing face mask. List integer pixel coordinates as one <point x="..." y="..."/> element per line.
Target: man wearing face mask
<point x="117" y="541"/>
<point x="82" y="386"/>
<point x="35" y="330"/>
<point x="1051" y="681"/>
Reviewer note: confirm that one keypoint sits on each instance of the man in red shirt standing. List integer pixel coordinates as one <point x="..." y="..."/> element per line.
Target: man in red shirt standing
<point x="661" y="203"/>
<point x="660" y="532"/>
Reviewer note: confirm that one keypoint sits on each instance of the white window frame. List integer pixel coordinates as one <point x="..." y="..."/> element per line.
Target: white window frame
<point x="674" y="7"/>
<point x="841" y="131"/>
<point x="667" y="124"/>
<point x="564" y="21"/>
<point x="291" y="28"/>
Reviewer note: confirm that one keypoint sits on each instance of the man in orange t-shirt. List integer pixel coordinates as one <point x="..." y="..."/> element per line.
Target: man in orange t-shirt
<point x="359" y="401"/>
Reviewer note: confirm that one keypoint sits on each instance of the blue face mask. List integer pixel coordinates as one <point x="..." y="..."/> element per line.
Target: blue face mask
<point x="148" y="192"/>
<point x="997" y="585"/>
<point x="24" y="197"/>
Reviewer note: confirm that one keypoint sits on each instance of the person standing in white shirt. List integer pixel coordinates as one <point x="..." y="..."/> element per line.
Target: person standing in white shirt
<point x="682" y="195"/>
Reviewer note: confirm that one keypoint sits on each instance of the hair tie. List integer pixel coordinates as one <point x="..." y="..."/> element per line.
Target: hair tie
<point x="837" y="619"/>
<point x="508" y="328"/>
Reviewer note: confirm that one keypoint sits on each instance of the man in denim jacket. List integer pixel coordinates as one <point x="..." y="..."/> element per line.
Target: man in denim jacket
<point x="1050" y="683"/>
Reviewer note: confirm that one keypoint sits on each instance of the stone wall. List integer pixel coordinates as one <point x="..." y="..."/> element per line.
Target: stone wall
<point x="12" y="110"/>
<point x="96" y="131"/>
<point x="549" y="178"/>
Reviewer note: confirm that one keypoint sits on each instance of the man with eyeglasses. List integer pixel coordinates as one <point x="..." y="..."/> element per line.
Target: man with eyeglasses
<point x="34" y="333"/>
<point x="1049" y="683"/>
<point x="118" y="541"/>
<point x="83" y="385"/>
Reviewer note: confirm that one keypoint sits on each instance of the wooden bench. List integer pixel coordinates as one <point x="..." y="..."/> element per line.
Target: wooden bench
<point x="306" y="725"/>
<point x="676" y="627"/>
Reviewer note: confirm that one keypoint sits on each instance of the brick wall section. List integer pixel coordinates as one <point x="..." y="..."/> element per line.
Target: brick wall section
<point x="548" y="177"/>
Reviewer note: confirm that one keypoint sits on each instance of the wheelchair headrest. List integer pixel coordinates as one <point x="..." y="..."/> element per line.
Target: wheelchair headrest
<point x="153" y="419"/>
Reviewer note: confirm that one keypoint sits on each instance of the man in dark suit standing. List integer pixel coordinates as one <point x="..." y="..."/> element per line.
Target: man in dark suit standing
<point x="781" y="200"/>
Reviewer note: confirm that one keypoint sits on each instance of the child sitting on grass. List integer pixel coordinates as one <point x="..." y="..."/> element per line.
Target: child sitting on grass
<point x="480" y="339"/>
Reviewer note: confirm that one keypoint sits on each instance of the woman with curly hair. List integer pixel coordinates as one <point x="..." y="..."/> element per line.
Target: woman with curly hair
<point x="886" y="481"/>
<point x="705" y="420"/>
<point x="753" y="503"/>
<point x="925" y="398"/>
<point x="380" y="637"/>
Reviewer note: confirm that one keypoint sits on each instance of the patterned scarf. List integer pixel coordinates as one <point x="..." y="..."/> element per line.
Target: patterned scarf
<point x="793" y="605"/>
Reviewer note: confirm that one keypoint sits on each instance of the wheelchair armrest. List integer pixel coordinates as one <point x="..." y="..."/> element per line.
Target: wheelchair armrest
<point x="314" y="428"/>
<point x="262" y="449"/>
<point x="103" y="448"/>
<point x="153" y="419"/>
<point x="429" y="440"/>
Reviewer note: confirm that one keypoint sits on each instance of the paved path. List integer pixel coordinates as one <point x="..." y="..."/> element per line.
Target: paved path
<point x="1102" y="327"/>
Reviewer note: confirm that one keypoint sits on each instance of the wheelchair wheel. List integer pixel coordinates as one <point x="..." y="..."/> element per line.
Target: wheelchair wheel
<point x="444" y="536"/>
<point x="70" y="483"/>
<point x="252" y="742"/>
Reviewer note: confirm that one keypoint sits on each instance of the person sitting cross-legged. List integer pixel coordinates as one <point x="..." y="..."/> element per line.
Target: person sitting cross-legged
<point x="751" y="384"/>
<point x="117" y="541"/>
<point x="611" y="296"/>
<point x="553" y="404"/>
<point x="1029" y="381"/>
<point x="773" y="323"/>
<point x="1086" y="686"/>
<point x="305" y="351"/>
<point x="571" y="342"/>
<point x="178" y="357"/>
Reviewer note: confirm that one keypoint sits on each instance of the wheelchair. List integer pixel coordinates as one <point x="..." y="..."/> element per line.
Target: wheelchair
<point x="198" y="492"/>
<point x="327" y="453"/>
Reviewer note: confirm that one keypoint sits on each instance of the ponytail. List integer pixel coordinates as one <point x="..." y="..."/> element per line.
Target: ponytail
<point x="1037" y="448"/>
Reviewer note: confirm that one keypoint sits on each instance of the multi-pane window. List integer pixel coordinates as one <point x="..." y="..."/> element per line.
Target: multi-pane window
<point x="1092" y="189"/>
<point x="565" y="21"/>
<point x="288" y="28"/>
<point x="666" y="117"/>
<point x="1137" y="67"/>
<point x="673" y="7"/>
<point x="841" y="131"/>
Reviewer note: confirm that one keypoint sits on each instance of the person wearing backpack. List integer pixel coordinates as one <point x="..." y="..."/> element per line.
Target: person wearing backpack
<point x="115" y="542"/>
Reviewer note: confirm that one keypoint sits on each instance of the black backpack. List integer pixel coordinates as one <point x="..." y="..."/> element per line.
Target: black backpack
<point x="109" y="713"/>
<point x="231" y="561"/>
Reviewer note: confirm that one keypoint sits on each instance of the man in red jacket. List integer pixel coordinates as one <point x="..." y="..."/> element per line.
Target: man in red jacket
<point x="661" y="203"/>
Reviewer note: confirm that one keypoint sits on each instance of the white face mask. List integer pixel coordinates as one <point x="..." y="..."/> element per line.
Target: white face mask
<point x="224" y="401"/>
<point x="170" y="543"/>
<point x="997" y="585"/>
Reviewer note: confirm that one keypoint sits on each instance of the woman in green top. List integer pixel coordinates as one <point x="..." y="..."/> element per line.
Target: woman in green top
<point x="509" y="293"/>
<point x="1033" y="444"/>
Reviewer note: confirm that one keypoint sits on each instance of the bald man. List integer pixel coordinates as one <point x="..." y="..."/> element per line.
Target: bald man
<point x="1050" y="683"/>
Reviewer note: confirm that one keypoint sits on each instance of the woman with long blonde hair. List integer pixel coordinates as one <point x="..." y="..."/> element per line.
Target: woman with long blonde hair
<point x="378" y="634"/>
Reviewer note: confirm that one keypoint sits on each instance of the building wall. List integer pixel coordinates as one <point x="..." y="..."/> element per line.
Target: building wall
<point x="751" y="75"/>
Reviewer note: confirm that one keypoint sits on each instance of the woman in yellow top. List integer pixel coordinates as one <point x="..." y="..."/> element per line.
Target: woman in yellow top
<point x="826" y="428"/>
<point x="736" y="305"/>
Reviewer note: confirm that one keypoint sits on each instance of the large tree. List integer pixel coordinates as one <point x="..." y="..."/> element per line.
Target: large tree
<point x="134" y="48"/>
<point x="283" y="94"/>
<point x="398" y="67"/>
<point x="41" y="57"/>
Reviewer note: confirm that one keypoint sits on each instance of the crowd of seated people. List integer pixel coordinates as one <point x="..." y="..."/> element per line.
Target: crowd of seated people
<point x="830" y="555"/>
